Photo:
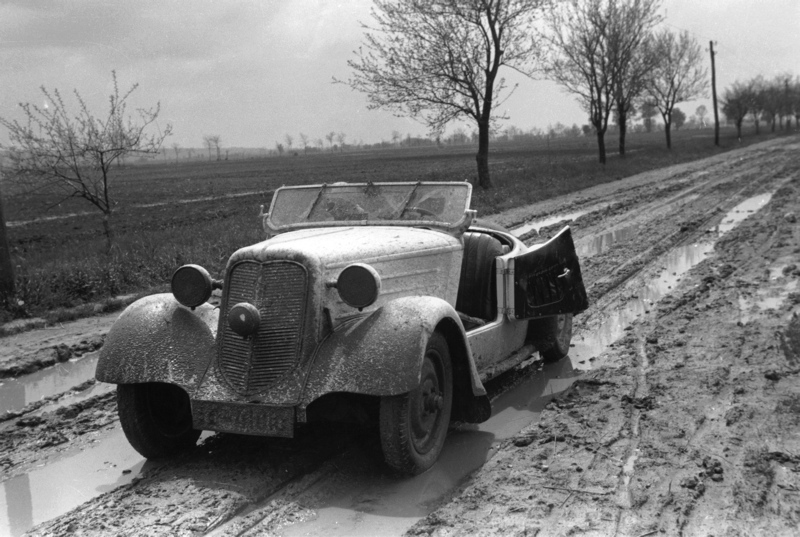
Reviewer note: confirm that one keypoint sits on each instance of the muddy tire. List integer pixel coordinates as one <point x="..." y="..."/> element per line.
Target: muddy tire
<point x="413" y="425"/>
<point x="552" y="336"/>
<point x="156" y="418"/>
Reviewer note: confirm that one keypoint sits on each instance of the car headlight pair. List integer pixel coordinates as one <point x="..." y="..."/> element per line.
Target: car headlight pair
<point x="358" y="285"/>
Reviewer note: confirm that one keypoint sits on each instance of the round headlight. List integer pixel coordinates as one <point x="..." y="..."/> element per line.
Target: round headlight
<point x="191" y="285"/>
<point x="244" y="318"/>
<point x="359" y="285"/>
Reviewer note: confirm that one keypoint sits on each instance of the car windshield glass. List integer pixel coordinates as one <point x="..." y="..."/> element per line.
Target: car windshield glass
<point x="442" y="203"/>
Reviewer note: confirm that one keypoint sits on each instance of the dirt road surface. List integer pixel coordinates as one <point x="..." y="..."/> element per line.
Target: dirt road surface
<point x="677" y="411"/>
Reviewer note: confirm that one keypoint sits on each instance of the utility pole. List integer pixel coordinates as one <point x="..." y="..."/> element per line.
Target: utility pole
<point x="714" y="94"/>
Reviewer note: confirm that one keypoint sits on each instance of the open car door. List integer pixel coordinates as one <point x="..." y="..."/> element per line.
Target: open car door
<point x="546" y="280"/>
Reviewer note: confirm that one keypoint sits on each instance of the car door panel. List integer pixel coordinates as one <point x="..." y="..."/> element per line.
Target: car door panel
<point x="546" y="280"/>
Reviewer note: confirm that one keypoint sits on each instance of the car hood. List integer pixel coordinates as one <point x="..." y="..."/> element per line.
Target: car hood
<point x="332" y="247"/>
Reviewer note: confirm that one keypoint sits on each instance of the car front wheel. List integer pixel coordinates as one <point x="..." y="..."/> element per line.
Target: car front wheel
<point x="156" y="418"/>
<point x="413" y="425"/>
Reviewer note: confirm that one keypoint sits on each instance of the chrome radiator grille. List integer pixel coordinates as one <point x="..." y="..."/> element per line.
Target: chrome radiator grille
<point x="278" y="290"/>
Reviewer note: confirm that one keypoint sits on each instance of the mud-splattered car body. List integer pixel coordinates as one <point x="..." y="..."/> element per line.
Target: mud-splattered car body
<point x="379" y="291"/>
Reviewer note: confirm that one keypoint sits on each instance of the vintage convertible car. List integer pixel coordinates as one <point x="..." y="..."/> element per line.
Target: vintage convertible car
<point x="384" y="301"/>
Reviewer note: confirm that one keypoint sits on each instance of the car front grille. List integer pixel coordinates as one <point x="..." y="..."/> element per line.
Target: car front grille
<point x="278" y="290"/>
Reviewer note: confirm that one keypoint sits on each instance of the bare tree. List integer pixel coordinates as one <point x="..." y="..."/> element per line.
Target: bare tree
<point x="340" y="137"/>
<point x="279" y="148"/>
<point x="213" y="143"/>
<point x="701" y="114"/>
<point x="771" y="93"/>
<point x="396" y="136"/>
<point x="72" y="155"/>
<point x="318" y="143"/>
<point x="648" y="111"/>
<point x="630" y="33"/>
<point x="439" y="60"/>
<point x="600" y="55"/>
<point x="289" y="141"/>
<point x="176" y="148"/>
<point x="735" y="104"/>
<point x="330" y="137"/>
<point x="678" y="76"/>
<point x="304" y="141"/>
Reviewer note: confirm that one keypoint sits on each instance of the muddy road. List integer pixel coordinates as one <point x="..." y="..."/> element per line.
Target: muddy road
<point x="677" y="410"/>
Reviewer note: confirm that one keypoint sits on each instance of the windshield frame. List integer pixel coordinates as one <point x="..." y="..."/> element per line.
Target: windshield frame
<point x="455" y="227"/>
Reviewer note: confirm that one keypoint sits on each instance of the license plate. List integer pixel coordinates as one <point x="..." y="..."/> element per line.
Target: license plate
<point x="243" y="418"/>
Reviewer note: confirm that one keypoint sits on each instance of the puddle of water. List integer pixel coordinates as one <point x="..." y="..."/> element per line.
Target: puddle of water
<point x="52" y="490"/>
<point x="367" y="503"/>
<point x="645" y="295"/>
<point x="539" y="224"/>
<point x="601" y="243"/>
<point x="742" y="211"/>
<point x="18" y="392"/>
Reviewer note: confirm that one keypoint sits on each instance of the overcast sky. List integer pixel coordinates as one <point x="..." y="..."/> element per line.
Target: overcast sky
<point x="253" y="71"/>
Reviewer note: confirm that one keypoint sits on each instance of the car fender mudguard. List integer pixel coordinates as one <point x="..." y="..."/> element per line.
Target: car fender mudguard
<point x="381" y="353"/>
<point x="158" y="340"/>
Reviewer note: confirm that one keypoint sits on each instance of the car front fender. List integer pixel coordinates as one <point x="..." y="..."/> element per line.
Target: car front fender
<point x="157" y="340"/>
<point x="381" y="353"/>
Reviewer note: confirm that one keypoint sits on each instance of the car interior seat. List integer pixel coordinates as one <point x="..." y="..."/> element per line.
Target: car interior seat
<point x="476" y="297"/>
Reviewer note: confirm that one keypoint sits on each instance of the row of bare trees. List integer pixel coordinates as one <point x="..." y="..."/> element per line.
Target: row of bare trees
<point x="609" y="54"/>
<point x="307" y="142"/>
<point x="439" y="61"/>
<point x="774" y="101"/>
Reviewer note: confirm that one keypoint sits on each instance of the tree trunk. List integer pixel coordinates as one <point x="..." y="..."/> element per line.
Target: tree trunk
<point x="623" y="120"/>
<point x="108" y="232"/>
<point x="601" y="145"/>
<point x="739" y="130"/>
<point x="668" y="134"/>
<point x="482" y="157"/>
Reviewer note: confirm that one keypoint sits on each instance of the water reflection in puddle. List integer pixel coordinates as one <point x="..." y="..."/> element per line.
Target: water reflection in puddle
<point x="51" y="490"/>
<point x="601" y="243"/>
<point x="742" y="211"/>
<point x="18" y="392"/>
<point x="377" y="503"/>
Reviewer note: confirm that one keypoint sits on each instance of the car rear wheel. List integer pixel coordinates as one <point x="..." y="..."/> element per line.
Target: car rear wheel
<point x="552" y="336"/>
<point x="413" y="425"/>
<point x="156" y="418"/>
